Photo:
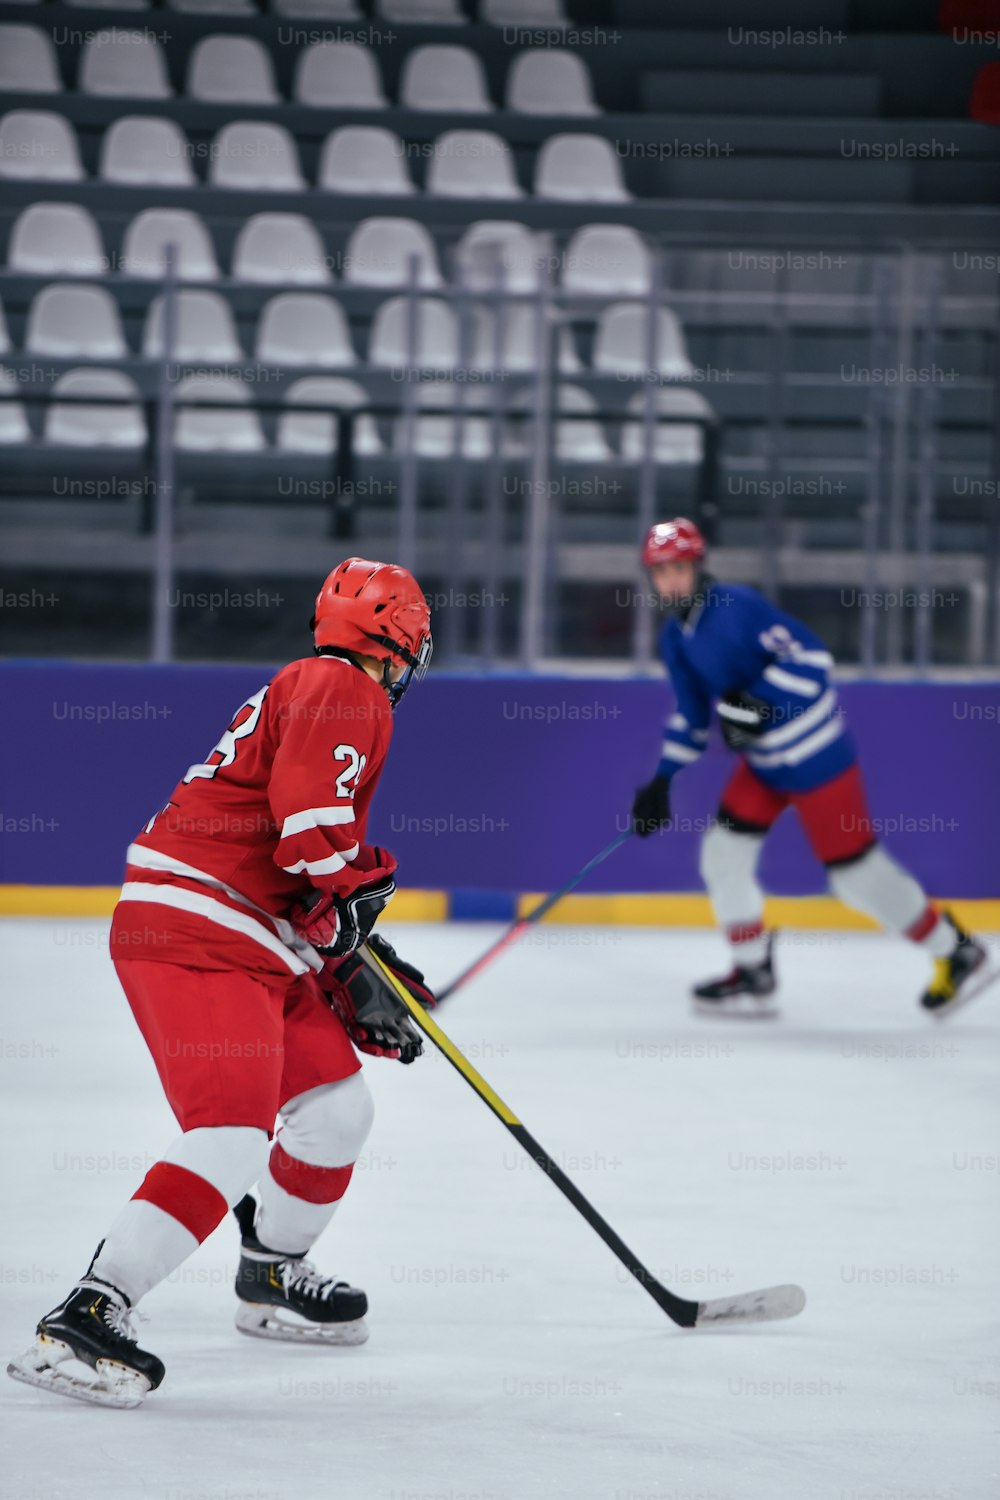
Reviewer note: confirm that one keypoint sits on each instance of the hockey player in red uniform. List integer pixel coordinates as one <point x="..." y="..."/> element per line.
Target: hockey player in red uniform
<point x="769" y="677"/>
<point x="235" y="941"/>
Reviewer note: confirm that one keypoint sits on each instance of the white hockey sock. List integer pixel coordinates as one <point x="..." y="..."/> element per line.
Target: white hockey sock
<point x="180" y="1201"/>
<point x="877" y="885"/>
<point x="728" y="868"/>
<point x="311" y="1163"/>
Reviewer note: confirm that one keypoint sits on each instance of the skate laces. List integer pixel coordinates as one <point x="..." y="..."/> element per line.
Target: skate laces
<point x="302" y="1276"/>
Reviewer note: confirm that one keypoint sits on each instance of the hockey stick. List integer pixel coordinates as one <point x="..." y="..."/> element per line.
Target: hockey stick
<point x="765" y="1306"/>
<point x="514" y="931"/>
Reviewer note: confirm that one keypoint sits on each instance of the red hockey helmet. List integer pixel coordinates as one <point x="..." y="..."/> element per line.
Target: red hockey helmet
<point x="376" y="609"/>
<point x="678" y="540"/>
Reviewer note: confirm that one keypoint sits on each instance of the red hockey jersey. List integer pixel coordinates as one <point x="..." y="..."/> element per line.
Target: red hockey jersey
<point x="278" y="809"/>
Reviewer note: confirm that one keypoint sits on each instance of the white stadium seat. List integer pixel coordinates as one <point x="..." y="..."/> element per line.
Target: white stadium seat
<point x="27" y="61"/>
<point x="674" y="442"/>
<point x="522" y="13"/>
<point x="75" y="424"/>
<point x="620" y="347"/>
<point x="121" y="64"/>
<point x="204" y="329"/>
<point x="253" y="157"/>
<point x="449" y="80"/>
<point x="379" y="252"/>
<point x="13" y="421"/>
<point x="280" y="247"/>
<point x="231" y="70"/>
<point x="580" y="441"/>
<point x="472" y="164"/>
<point x="421" y="12"/>
<point x="436" y="436"/>
<point x="223" y="430"/>
<point x="56" y="238"/>
<point x="338" y="75"/>
<point x="319" y="10"/>
<point x="606" y="260"/>
<point x="315" y="433"/>
<point x="153" y="229"/>
<point x="436" y="330"/>
<point x="364" y="159"/>
<point x="215" y="7"/>
<point x="68" y="320"/>
<point x="141" y="151"/>
<point x="37" y="146"/>
<point x="518" y="354"/>
<point x="491" y="244"/>
<point x="579" y="169"/>
<point x="304" y="328"/>
<point x="546" y="81"/>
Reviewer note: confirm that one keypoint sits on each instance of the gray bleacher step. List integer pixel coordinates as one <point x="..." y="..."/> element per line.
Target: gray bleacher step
<point x="724" y="91"/>
<point x="758" y="15"/>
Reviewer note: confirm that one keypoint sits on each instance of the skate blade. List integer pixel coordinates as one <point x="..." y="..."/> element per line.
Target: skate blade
<point x="979" y="980"/>
<point x="116" y="1385"/>
<point x="261" y="1320"/>
<point x="740" y="1007"/>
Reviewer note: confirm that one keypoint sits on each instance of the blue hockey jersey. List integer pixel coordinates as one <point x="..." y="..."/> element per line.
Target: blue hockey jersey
<point x="736" y="640"/>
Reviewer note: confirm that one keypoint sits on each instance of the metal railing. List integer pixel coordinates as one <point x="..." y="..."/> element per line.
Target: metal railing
<point x="903" y="316"/>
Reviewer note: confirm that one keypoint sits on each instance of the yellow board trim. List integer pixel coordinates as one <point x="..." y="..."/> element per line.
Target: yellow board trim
<point x="99" y="901"/>
<point x="664" y="910"/>
<point x="680" y="910"/>
<point x="443" y="1042"/>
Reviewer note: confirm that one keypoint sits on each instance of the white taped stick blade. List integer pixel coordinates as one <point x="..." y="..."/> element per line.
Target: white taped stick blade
<point x="767" y="1306"/>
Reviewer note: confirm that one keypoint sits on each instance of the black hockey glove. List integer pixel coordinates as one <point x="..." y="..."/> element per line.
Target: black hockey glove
<point x="651" y="807"/>
<point x="743" y="717"/>
<point x="374" y="1017"/>
<point x="335" y="925"/>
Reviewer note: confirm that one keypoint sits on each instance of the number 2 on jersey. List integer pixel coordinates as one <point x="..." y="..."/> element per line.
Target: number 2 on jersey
<point x="347" y="781"/>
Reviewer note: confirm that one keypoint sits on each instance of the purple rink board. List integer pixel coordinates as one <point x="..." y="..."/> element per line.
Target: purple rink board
<point x="493" y="783"/>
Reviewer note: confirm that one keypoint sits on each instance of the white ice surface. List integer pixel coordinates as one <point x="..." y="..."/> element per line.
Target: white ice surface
<point x="851" y="1146"/>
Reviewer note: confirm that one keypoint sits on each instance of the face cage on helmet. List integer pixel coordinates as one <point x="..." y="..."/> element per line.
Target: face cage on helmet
<point x="416" y="665"/>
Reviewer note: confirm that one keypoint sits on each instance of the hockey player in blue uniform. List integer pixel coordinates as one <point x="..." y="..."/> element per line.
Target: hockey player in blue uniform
<point x="769" y="678"/>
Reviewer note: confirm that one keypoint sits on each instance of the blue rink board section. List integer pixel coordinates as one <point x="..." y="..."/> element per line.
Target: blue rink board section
<point x="494" y="784"/>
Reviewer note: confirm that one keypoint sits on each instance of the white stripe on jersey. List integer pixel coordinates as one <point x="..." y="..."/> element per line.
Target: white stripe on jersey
<point x="316" y="817"/>
<point x="800" y="751"/>
<point x="166" y="864"/>
<point x="213" y="911"/>
<point x="685" y="753"/>
<point x="803" y="686"/>
<point x="812" y="658"/>
<point x="798" y="726"/>
<point x="325" y="866"/>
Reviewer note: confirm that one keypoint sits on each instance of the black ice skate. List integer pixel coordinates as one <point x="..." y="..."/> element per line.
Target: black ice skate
<point x="284" y="1297"/>
<point x="959" y="977"/>
<point x="745" y="991"/>
<point x="92" y="1328"/>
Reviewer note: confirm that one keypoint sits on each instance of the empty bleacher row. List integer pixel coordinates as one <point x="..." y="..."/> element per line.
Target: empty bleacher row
<point x="548" y="13"/>
<point x="256" y="156"/>
<point x="227" y="69"/>
<point x="620" y="157"/>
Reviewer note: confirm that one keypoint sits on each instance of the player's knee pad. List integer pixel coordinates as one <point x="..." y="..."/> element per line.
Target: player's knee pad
<point x="327" y="1126"/>
<point x="881" y="888"/>
<point x="728" y="859"/>
<point x="230" y="1157"/>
